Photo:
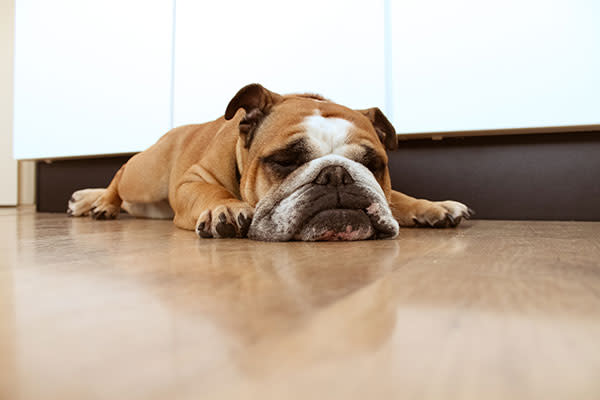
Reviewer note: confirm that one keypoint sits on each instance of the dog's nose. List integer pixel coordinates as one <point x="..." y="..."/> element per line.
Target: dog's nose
<point x="333" y="175"/>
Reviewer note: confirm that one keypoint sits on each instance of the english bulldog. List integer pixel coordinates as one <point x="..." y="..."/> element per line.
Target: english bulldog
<point x="273" y="168"/>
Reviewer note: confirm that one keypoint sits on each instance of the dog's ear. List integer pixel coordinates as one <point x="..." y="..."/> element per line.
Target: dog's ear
<point x="257" y="102"/>
<point x="384" y="128"/>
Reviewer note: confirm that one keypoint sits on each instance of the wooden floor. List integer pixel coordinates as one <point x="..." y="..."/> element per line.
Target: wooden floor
<point x="137" y="309"/>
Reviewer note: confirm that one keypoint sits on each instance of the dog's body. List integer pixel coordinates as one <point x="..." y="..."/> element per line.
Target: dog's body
<point x="286" y="167"/>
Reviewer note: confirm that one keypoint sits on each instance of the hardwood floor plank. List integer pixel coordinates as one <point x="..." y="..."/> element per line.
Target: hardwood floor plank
<point x="139" y="309"/>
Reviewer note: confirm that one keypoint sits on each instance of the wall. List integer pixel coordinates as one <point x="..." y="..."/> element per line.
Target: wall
<point x="27" y="182"/>
<point x="471" y="65"/>
<point x="102" y="85"/>
<point x="8" y="166"/>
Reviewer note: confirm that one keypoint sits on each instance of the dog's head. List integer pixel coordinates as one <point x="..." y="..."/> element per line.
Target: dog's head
<point x="314" y="170"/>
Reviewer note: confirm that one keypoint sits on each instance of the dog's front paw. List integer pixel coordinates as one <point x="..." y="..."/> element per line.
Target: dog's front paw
<point x="225" y="221"/>
<point x="441" y="214"/>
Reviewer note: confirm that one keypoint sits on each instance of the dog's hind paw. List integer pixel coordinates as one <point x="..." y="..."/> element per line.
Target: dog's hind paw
<point x="82" y="201"/>
<point x="102" y="211"/>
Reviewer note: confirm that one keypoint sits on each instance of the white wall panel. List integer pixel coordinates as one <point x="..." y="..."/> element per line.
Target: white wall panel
<point x="95" y="78"/>
<point x="335" y="48"/>
<point x="472" y="65"/>
<point x="8" y="166"/>
<point x="91" y="77"/>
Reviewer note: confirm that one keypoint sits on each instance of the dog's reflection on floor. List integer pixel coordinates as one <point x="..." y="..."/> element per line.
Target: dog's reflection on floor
<point x="208" y="315"/>
<point x="260" y="293"/>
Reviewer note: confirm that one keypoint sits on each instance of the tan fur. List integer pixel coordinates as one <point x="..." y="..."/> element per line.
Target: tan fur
<point x="194" y="168"/>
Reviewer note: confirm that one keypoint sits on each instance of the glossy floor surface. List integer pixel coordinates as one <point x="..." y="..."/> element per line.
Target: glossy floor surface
<point x="137" y="309"/>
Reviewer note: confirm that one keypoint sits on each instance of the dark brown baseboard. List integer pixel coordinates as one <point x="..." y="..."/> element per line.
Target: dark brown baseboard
<point x="57" y="180"/>
<point x="521" y="177"/>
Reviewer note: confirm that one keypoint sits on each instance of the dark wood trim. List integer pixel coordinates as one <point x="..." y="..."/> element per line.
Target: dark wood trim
<point x="524" y="177"/>
<point x="56" y="180"/>
<point x="500" y="132"/>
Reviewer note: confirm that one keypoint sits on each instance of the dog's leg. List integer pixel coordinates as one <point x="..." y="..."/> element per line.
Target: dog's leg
<point x="409" y="211"/>
<point x="211" y="210"/>
<point x="99" y="203"/>
<point x="108" y="205"/>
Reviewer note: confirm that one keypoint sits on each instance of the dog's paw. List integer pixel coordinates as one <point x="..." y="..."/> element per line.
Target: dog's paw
<point x="104" y="210"/>
<point x="225" y="221"/>
<point x="82" y="201"/>
<point x="441" y="214"/>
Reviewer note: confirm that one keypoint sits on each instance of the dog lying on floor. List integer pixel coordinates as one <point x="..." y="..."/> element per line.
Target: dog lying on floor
<point x="274" y="168"/>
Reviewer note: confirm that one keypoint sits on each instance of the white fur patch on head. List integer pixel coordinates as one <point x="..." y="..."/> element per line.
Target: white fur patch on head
<point x="328" y="135"/>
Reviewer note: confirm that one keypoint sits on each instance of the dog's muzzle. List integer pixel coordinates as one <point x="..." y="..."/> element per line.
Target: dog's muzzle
<point x="330" y="198"/>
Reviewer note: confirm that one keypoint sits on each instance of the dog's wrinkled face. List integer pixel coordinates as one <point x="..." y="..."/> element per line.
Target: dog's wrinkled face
<point x="313" y="169"/>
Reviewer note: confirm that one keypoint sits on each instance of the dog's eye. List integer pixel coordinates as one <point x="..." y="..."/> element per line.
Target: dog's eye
<point x="372" y="161"/>
<point x="282" y="167"/>
<point x="283" y="164"/>
<point x="285" y="161"/>
<point x="376" y="165"/>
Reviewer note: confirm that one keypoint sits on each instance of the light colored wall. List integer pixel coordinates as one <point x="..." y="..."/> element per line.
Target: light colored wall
<point x="26" y="182"/>
<point x="8" y="166"/>
<point x="17" y="180"/>
<point x="92" y="90"/>
<point x="473" y="65"/>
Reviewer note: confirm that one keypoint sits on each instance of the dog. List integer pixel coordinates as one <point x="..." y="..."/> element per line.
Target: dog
<point x="273" y="168"/>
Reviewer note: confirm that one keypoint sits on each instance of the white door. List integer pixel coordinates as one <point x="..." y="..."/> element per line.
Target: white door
<point x="91" y="77"/>
<point x="8" y="166"/>
<point x="334" y="48"/>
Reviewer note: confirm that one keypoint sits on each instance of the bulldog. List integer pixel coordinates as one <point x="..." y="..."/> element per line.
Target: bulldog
<point x="273" y="168"/>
